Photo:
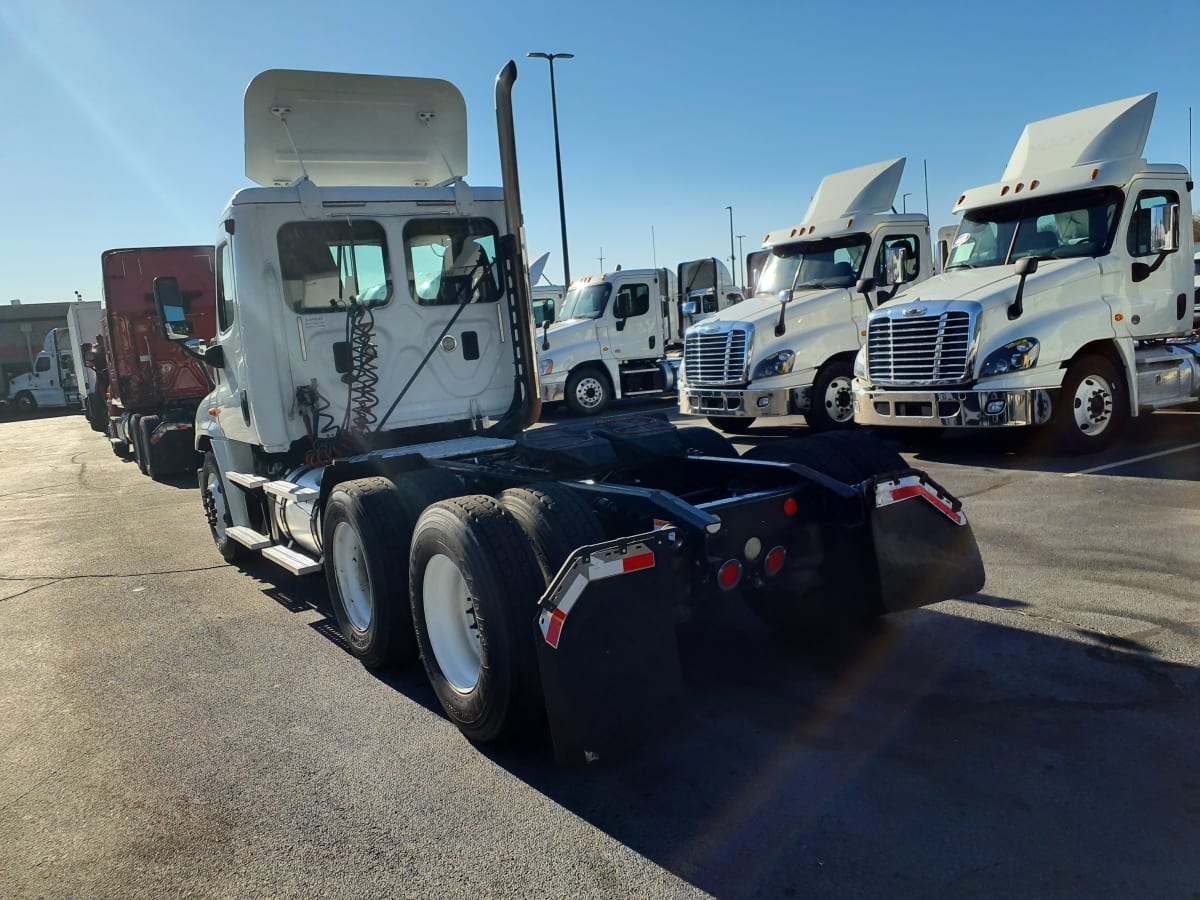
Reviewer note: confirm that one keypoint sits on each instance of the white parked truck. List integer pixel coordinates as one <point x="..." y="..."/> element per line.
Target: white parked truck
<point x="375" y="379"/>
<point x="1066" y="301"/>
<point x="790" y="349"/>
<point x="60" y="375"/>
<point x="619" y="334"/>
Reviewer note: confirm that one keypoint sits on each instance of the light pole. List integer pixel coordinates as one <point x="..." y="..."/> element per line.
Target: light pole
<point x="904" y="201"/>
<point x="562" y="208"/>
<point x="732" y="259"/>
<point x="742" y="259"/>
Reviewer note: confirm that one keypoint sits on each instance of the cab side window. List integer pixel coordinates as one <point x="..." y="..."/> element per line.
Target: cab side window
<point x="452" y="261"/>
<point x="637" y="298"/>
<point x="909" y="242"/>
<point x="225" y="306"/>
<point x="324" y="264"/>
<point x="1138" y="239"/>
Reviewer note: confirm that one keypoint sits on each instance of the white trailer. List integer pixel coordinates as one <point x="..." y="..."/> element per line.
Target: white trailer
<point x="790" y="349"/>
<point x="1067" y="300"/>
<point x="619" y="334"/>
<point x="83" y="327"/>
<point x="375" y="377"/>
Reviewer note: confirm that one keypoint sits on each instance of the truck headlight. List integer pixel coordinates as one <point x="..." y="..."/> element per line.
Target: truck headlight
<point x="545" y="367"/>
<point x="1012" y="357"/>
<point x="860" y="363"/>
<point x="776" y="364"/>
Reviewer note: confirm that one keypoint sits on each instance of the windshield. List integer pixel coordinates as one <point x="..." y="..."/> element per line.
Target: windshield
<point x="809" y="265"/>
<point x="585" y="302"/>
<point x="1081" y="223"/>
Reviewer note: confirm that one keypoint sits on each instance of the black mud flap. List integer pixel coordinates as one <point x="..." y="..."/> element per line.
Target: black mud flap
<point x="606" y="648"/>
<point x="924" y="547"/>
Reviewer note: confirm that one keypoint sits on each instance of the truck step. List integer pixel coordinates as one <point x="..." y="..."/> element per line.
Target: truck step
<point x="289" y="490"/>
<point x="115" y="441"/>
<point x="292" y="560"/>
<point x="249" y="482"/>
<point x="248" y="537"/>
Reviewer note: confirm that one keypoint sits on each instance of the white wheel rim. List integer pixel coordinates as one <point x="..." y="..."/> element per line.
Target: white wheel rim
<point x="1093" y="405"/>
<point x="353" y="579"/>
<point x="589" y="392"/>
<point x="839" y="400"/>
<point x="219" y="506"/>
<point x="450" y="621"/>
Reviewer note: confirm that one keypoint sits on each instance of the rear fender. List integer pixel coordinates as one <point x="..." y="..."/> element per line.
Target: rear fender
<point x="606" y="648"/>
<point x="925" y="550"/>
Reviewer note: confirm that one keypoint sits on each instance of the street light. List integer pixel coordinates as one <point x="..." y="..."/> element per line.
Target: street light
<point x="732" y="258"/>
<point x="904" y="201"/>
<point x="742" y="258"/>
<point x="562" y="208"/>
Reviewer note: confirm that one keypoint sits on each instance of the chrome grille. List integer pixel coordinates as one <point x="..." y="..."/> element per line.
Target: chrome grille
<point x="919" y="350"/>
<point x="716" y="359"/>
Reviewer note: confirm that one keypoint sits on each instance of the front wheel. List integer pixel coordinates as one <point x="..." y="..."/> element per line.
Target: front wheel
<point x="588" y="391"/>
<point x="216" y="509"/>
<point x="25" y="403"/>
<point x="1093" y="406"/>
<point x="146" y="459"/>
<point x="832" y="404"/>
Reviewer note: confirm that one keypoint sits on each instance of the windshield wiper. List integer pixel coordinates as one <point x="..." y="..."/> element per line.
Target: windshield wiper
<point x="960" y="266"/>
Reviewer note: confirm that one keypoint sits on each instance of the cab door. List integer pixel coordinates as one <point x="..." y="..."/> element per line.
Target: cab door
<point x="1155" y="307"/>
<point x="636" y="324"/>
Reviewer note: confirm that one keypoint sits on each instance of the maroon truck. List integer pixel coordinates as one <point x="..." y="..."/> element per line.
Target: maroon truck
<point x="154" y="387"/>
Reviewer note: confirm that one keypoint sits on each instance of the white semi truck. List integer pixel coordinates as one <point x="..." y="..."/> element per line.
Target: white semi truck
<point x="60" y="375"/>
<point x="619" y="334"/>
<point x="1067" y="298"/>
<point x="791" y="348"/>
<point x="375" y="377"/>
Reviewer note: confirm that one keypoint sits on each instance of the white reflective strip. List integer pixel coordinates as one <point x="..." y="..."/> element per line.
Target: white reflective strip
<point x="573" y="592"/>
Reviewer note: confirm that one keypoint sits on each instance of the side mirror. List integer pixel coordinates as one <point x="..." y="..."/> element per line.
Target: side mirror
<point x="215" y="356"/>
<point x="548" y="312"/>
<point x="621" y="307"/>
<point x="169" y="302"/>
<point x="1026" y="265"/>
<point x="864" y="285"/>
<point x="896" y="265"/>
<point x="1164" y="228"/>
<point x="689" y="307"/>
<point x="785" y="297"/>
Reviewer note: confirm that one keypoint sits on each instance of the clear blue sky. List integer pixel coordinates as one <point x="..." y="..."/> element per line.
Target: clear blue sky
<point x="124" y="120"/>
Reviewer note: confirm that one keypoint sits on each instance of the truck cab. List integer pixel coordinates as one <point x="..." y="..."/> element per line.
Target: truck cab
<point x="789" y="349"/>
<point x="53" y="382"/>
<point x="1067" y="299"/>
<point x="612" y="336"/>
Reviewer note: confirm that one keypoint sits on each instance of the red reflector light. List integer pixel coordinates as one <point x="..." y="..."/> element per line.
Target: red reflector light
<point x="790" y="506"/>
<point x="730" y="574"/>
<point x="774" y="561"/>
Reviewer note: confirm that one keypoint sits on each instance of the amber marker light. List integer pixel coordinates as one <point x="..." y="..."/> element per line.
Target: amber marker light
<point x="1095" y="174"/>
<point x="212" y="410"/>
<point x="1118" y="317"/>
<point x="1033" y="184"/>
<point x="1003" y="191"/>
<point x="1018" y="188"/>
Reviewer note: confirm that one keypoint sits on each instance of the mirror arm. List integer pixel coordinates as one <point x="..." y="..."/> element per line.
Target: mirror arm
<point x="780" y="326"/>
<point x="1016" y="309"/>
<point x="1141" y="271"/>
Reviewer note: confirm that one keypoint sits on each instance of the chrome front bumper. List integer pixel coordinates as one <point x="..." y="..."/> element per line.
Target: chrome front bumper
<point x="735" y="403"/>
<point x="952" y="409"/>
<point x="552" y="391"/>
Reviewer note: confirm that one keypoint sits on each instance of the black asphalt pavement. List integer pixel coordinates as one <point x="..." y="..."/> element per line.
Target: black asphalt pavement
<point x="174" y="726"/>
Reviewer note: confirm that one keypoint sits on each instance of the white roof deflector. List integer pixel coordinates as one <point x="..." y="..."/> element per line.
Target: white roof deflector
<point x="1110" y="131"/>
<point x="354" y="129"/>
<point x="867" y="189"/>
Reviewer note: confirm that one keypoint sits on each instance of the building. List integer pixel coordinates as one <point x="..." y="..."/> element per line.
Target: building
<point x="23" y="328"/>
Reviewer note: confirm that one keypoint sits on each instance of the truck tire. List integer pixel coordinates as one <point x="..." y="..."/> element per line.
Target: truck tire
<point x="848" y="456"/>
<point x="25" y="403"/>
<point x="1093" y="406"/>
<point x="135" y="441"/>
<point x="588" y="391"/>
<point x="706" y="442"/>
<point x="732" y="424"/>
<point x="216" y="510"/>
<point x="364" y="523"/>
<point x="474" y="582"/>
<point x="556" y="520"/>
<point x="831" y="406"/>
<point x="148" y="458"/>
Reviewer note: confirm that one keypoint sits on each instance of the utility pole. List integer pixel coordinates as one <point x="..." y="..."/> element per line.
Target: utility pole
<point x="601" y="258"/>
<point x="742" y="259"/>
<point x="562" y="208"/>
<point x="733" y="267"/>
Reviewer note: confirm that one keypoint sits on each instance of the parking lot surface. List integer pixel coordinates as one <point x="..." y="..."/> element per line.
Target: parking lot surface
<point x="171" y="725"/>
